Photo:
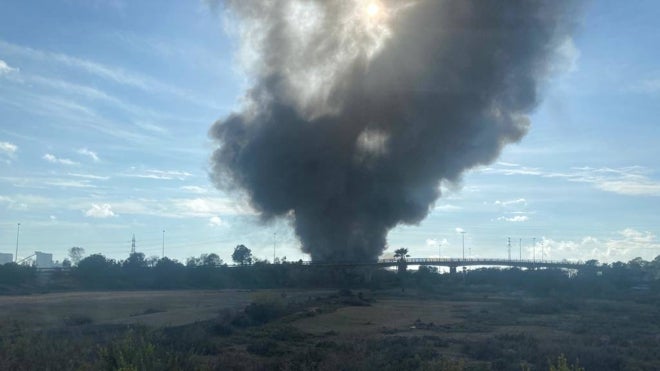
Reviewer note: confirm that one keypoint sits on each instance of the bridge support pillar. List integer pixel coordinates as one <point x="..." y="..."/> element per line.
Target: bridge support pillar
<point x="366" y="274"/>
<point x="402" y="267"/>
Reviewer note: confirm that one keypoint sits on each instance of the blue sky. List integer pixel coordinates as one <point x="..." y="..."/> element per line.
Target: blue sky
<point x="105" y="107"/>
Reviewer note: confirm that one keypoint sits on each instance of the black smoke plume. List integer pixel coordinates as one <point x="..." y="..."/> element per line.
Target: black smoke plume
<point x="359" y="109"/>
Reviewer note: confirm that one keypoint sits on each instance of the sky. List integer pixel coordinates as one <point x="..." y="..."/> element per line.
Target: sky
<point x="105" y="108"/>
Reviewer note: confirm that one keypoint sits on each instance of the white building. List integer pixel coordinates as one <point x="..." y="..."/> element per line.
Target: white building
<point x="43" y="260"/>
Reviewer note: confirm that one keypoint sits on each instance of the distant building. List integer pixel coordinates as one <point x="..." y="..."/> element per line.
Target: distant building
<point x="43" y="260"/>
<point x="6" y="258"/>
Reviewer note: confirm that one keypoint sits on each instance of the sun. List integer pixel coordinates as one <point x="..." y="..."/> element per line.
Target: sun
<point x="373" y="13"/>
<point x="373" y="9"/>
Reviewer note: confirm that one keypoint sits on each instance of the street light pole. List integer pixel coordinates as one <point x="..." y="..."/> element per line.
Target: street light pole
<point x="18" y="231"/>
<point x="463" y="236"/>
<point x="163" y="254"/>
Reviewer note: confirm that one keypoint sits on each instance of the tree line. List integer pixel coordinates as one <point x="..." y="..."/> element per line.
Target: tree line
<point x="210" y="271"/>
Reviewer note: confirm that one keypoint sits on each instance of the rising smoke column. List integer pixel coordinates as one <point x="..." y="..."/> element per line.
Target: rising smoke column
<point x="359" y="109"/>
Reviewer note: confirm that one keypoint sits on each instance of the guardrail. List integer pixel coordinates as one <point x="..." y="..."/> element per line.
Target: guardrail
<point x="416" y="261"/>
<point x="456" y="262"/>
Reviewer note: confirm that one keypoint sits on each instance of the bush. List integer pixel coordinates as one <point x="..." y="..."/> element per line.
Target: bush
<point x="78" y="320"/>
<point x="262" y="347"/>
<point x="263" y="312"/>
<point x="561" y="364"/>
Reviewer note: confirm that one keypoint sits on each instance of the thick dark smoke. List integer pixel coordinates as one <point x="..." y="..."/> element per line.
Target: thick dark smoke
<point x="359" y="109"/>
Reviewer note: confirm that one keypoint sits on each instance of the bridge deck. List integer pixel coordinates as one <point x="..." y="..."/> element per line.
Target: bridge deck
<point x="456" y="262"/>
<point x="444" y="262"/>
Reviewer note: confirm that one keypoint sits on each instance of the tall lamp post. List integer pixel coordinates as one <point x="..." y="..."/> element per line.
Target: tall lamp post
<point x="163" y="253"/>
<point x="18" y="231"/>
<point x="463" y="237"/>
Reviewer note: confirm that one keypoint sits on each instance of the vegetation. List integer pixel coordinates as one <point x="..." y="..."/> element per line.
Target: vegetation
<point x="242" y="255"/>
<point x="604" y="316"/>
<point x="477" y="327"/>
<point x="401" y="254"/>
<point x="209" y="271"/>
<point x="76" y="254"/>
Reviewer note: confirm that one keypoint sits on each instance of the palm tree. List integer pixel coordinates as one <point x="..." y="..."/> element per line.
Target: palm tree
<point x="401" y="253"/>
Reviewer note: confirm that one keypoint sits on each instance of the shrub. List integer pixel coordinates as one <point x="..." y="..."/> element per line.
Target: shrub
<point x="561" y="364"/>
<point x="78" y="320"/>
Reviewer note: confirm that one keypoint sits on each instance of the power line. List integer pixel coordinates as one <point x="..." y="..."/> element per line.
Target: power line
<point x="18" y="231"/>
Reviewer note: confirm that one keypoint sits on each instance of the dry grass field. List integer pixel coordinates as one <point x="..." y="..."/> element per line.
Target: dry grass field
<point x="153" y="308"/>
<point x="150" y="308"/>
<point x="327" y="329"/>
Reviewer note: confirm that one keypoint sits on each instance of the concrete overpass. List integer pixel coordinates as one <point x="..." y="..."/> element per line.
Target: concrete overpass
<point x="453" y="263"/>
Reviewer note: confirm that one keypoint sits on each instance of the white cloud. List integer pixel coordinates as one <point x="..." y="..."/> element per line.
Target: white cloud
<point x="512" y="169"/>
<point x="630" y="181"/>
<point x="216" y="221"/>
<point x="161" y="174"/>
<point x="515" y="218"/>
<point x="25" y="202"/>
<point x="437" y="245"/>
<point x="434" y="242"/>
<point x="151" y="127"/>
<point x="8" y="149"/>
<point x="89" y="176"/>
<point x="66" y="183"/>
<point x="55" y="160"/>
<point x="509" y="164"/>
<point x="5" y="68"/>
<point x="459" y="230"/>
<point x="100" y="211"/>
<point x="447" y="208"/>
<point x="648" y="86"/>
<point x="208" y="207"/>
<point x="567" y="56"/>
<point x="110" y="73"/>
<point x="90" y="154"/>
<point x="520" y="201"/>
<point x="194" y="189"/>
<point x="140" y="115"/>
<point x="625" y="245"/>
<point x="199" y="207"/>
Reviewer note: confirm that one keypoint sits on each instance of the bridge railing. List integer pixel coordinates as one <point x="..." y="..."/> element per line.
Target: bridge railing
<point x="456" y="262"/>
<point x="486" y="261"/>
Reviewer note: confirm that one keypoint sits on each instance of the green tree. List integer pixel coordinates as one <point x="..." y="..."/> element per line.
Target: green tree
<point x="76" y="254"/>
<point x="135" y="260"/>
<point x="212" y="260"/>
<point x="242" y="255"/>
<point x="401" y="253"/>
<point x="97" y="271"/>
<point x="169" y="273"/>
